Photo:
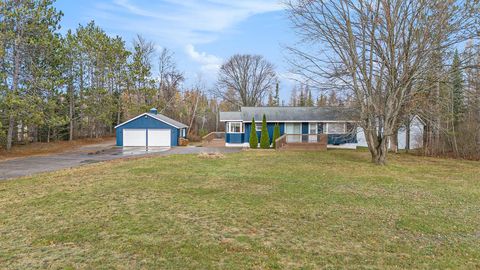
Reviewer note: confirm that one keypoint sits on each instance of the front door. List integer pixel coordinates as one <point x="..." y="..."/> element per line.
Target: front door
<point x="295" y="131"/>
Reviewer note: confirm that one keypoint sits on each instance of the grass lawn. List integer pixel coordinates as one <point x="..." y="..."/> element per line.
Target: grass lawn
<point x="260" y="210"/>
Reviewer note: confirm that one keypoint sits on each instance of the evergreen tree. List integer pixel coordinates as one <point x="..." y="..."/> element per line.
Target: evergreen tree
<point x="276" y="134"/>
<point x="309" y="102"/>
<point x="253" y="135"/>
<point x="277" y="95"/>
<point x="458" y="106"/>
<point x="264" y="138"/>
<point x="301" y="101"/>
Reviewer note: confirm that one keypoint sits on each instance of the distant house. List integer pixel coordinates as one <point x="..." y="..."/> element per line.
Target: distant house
<point x="305" y="125"/>
<point x="150" y="129"/>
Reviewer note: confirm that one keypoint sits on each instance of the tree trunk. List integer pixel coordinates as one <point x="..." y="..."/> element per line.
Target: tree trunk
<point x="71" y="105"/>
<point x="394" y="143"/>
<point x="16" y="74"/>
<point x="407" y="135"/>
<point x="11" y="122"/>
<point x="377" y="146"/>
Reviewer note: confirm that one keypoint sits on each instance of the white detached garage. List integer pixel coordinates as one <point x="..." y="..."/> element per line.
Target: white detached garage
<point x="150" y="129"/>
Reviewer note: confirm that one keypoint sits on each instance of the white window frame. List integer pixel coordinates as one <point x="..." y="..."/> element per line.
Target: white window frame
<point x="336" y="123"/>
<point x="257" y="125"/>
<point x="229" y="127"/>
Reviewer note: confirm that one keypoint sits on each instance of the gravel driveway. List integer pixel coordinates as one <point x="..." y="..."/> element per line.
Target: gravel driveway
<point x="90" y="154"/>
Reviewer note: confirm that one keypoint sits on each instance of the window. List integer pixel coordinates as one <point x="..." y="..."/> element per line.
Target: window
<point x="234" y="127"/>
<point x="183" y="132"/>
<point x="336" y="128"/>
<point x="258" y="126"/>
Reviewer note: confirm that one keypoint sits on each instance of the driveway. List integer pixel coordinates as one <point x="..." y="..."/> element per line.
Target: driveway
<point x="91" y="154"/>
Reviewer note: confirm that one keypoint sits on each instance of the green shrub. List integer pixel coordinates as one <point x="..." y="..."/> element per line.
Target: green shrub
<point x="253" y="135"/>
<point x="276" y="134"/>
<point x="264" y="138"/>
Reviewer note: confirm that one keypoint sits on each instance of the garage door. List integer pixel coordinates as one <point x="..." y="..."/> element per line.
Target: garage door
<point x="134" y="137"/>
<point x="159" y="137"/>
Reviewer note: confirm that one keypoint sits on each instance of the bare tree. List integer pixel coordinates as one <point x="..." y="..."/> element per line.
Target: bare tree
<point x="376" y="50"/>
<point x="250" y="77"/>
<point x="169" y="78"/>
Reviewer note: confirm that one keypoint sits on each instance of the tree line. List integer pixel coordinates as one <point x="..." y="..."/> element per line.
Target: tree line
<point x="83" y="83"/>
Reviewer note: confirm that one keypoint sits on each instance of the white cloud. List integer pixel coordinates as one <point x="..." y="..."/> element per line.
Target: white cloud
<point x="184" y="21"/>
<point x="209" y="63"/>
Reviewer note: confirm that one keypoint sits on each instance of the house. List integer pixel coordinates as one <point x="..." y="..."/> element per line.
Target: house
<point x="302" y="125"/>
<point x="150" y="129"/>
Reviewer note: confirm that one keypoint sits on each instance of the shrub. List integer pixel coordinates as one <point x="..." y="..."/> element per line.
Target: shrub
<point x="253" y="135"/>
<point x="264" y="138"/>
<point x="276" y="134"/>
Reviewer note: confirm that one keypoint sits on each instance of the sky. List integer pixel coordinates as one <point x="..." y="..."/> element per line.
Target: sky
<point x="202" y="33"/>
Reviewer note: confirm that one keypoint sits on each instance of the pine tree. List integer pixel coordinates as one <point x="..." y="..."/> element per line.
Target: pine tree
<point x="309" y="102"/>
<point x="276" y="134"/>
<point x="457" y="88"/>
<point x="301" y="101"/>
<point x="277" y="95"/>
<point x="264" y="138"/>
<point x="253" y="136"/>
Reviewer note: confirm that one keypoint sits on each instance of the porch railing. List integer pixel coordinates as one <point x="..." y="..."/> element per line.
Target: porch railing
<point x="213" y="135"/>
<point x="281" y="141"/>
<point x="304" y="139"/>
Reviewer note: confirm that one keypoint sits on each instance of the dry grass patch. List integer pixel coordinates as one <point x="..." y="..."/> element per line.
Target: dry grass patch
<point x="43" y="148"/>
<point x="211" y="155"/>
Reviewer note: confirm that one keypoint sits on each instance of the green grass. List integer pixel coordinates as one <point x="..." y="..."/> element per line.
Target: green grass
<point x="254" y="209"/>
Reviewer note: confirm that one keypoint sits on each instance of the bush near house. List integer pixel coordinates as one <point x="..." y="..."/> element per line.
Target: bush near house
<point x="276" y="134"/>
<point x="253" y="136"/>
<point x="264" y="138"/>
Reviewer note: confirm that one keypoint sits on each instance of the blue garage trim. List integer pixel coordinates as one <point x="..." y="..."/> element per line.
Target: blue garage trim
<point x="148" y="122"/>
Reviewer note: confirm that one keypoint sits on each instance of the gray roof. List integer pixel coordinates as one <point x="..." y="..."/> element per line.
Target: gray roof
<point x="230" y="116"/>
<point x="279" y="114"/>
<point x="168" y="120"/>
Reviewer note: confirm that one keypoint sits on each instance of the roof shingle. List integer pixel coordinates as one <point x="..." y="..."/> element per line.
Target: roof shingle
<point x="279" y="114"/>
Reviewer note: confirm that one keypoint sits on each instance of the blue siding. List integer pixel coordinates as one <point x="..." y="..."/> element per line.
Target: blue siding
<point x="239" y="138"/>
<point x="234" y="138"/>
<point x="147" y="122"/>
<point x="245" y="137"/>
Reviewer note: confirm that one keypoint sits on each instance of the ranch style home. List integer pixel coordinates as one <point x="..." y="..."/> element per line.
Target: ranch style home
<point x="309" y="127"/>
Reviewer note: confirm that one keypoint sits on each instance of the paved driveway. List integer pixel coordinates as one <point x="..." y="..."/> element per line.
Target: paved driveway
<point x="90" y="154"/>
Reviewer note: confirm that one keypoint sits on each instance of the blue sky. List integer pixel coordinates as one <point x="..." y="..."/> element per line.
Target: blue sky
<point x="202" y="33"/>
